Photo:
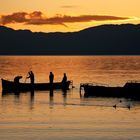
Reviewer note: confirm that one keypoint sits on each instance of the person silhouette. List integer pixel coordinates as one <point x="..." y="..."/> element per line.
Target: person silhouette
<point x="17" y="78"/>
<point x="31" y="76"/>
<point x="51" y="77"/>
<point x="64" y="80"/>
<point x="17" y="86"/>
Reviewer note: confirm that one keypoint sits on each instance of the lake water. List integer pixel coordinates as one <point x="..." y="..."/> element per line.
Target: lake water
<point x="69" y="116"/>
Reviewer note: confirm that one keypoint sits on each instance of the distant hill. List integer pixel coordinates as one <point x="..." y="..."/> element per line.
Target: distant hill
<point x="101" y="40"/>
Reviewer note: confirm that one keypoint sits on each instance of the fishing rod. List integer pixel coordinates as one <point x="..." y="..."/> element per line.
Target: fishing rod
<point x="27" y="74"/>
<point x="26" y="78"/>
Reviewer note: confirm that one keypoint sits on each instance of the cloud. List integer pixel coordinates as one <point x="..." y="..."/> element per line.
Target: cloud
<point x="13" y="18"/>
<point x="69" y="6"/>
<point x="38" y="18"/>
<point x="21" y="17"/>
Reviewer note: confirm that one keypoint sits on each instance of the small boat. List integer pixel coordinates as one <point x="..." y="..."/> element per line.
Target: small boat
<point x="131" y="89"/>
<point x="11" y="86"/>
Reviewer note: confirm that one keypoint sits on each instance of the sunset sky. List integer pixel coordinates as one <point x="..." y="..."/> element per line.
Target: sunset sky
<point x="67" y="15"/>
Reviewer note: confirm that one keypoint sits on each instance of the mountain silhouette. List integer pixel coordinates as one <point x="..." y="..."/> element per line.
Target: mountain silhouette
<point x="100" y="40"/>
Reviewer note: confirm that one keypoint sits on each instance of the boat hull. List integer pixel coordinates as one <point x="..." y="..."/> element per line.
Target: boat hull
<point x="10" y="86"/>
<point x="130" y="91"/>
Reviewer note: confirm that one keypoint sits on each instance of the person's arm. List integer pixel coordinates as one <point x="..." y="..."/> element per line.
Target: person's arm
<point x="29" y="75"/>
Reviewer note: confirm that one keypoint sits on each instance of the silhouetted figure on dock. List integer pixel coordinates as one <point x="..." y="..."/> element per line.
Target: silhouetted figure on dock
<point x="64" y="80"/>
<point x="31" y="76"/>
<point x="17" y="78"/>
<point x="51" y="77"/>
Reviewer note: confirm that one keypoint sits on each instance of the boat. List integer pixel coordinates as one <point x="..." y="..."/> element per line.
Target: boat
<point x="131" y="89"/>
<point x="11" y="86"/>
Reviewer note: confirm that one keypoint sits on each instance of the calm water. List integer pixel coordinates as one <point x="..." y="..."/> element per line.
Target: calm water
<point x="67" y="116"/>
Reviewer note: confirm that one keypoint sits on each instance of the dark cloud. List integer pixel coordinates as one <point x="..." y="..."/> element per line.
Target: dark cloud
<point x="21" y="17"/>
<point x="38" y="18"/>
<point x="36" y="15"/>
<point x="13" y="18"/>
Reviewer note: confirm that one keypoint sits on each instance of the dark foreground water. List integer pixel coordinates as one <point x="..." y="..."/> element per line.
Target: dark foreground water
<point x="67" y="116"/>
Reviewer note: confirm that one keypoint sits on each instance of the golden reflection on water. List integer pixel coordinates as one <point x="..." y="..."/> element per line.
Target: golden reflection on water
<point x="104" y="69"/>
<point x="65" y="115"/>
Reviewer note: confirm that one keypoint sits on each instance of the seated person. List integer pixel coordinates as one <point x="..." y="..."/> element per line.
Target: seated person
<point x="17" y="78"/>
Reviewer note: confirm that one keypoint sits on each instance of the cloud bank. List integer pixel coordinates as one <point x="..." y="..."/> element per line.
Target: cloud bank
<point x="38" y="18"/>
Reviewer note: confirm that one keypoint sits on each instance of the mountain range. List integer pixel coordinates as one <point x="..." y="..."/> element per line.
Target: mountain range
<point x="121" y="39"/>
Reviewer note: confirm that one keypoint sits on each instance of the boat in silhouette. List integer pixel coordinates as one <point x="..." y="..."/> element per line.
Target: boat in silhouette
<point x="131" y="89"/>
<point x="11" y="86"/>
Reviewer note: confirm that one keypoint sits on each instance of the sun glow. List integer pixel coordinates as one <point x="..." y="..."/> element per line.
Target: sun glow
<point x="65" y="16"/>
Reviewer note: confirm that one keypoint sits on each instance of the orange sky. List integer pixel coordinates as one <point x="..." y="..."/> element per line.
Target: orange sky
<point x="74" y="15"/>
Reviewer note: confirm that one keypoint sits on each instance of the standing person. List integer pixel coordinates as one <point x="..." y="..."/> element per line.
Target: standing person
<point x="51" y="77"/>
<point x="64" y="83"/>
<point x="64" y="80"/>
<point x="31" y="76"/>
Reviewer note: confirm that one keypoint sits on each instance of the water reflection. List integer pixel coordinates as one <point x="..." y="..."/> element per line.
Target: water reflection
<point x="32" y="100"/>
<point x="55" y="95"/>
<point x="18" y="98"/>
<point x="29" y="97"/>
<point x="51" y="94"/>
<point x="6" y="95"/>
<point x="64" y="98"/>
<point x="115" y="103"/>
<point x="64" y="93"/>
